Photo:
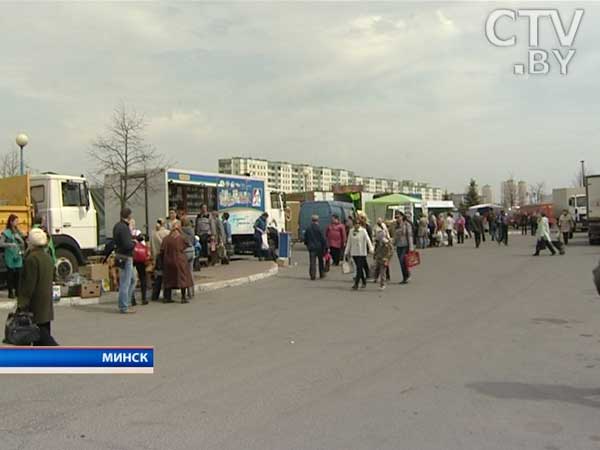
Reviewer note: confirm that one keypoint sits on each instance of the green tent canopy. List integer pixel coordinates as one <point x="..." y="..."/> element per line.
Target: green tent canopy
<point x="377" y="207"/>
<point x="395" y="199"/>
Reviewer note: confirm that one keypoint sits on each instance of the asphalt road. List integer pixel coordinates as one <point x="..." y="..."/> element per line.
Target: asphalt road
<point x="484" y="349"/>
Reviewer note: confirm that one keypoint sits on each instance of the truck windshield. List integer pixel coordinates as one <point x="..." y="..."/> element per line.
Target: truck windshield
<point x="38" y="195"/>
<point x="581" y="201"/>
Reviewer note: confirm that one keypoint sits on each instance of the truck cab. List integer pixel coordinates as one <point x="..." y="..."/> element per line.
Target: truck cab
<point x="592" y="185"/>
<point x="276" y="205"/>
<point x="65" y="205"/>
<point x="578" y="210"/>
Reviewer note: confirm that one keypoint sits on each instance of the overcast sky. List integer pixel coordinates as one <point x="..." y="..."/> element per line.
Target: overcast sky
<point x="405" y="90"/>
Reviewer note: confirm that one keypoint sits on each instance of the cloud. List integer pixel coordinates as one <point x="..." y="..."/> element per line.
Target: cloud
<point x="413" y="83"/>
<point x="445" y="21"/>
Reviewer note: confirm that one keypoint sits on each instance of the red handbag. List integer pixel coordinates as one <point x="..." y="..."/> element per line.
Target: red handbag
<point x="412" y="259"/>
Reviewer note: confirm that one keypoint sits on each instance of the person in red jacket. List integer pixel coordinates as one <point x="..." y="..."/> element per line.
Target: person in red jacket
<point x="336" y="239"/>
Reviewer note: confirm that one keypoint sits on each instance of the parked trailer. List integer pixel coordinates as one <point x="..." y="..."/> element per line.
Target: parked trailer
<point x="573" y="200"/>
<point x="592" y="183"/>
<point x="538" y="208"/>
<point x="185" y="191"/>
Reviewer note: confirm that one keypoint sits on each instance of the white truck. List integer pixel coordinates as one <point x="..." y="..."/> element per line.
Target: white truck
<point x="573" y="200"/>
<point x="593" y="208"/>
<point x="67" y="211"/>
<point x="185" y="191"/>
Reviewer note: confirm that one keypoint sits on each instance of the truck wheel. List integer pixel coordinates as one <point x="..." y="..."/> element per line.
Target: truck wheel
<point x="66" y="264"/>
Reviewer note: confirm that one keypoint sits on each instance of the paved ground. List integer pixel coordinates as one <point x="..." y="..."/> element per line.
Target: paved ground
<point x="238" y="272"/>
<point x="488" y="349"/>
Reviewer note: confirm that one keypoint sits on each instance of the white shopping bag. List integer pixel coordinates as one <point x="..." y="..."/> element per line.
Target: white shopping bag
<point x="346" y="267"/>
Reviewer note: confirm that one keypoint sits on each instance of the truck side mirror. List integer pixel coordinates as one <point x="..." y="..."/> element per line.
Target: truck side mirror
<point x="283" y="200"/>
<point x="86" y="193"/>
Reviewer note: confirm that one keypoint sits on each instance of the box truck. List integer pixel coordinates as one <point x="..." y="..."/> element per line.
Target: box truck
<point x="185" y="191"/>
<point x="592" y="183"/>
<point x="573" y="200"/>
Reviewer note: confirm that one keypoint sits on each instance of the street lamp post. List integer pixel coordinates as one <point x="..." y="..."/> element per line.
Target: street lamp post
<point x="582" y="173"/>
<point x="22" y="140"/>
<point x="305" y="172"/>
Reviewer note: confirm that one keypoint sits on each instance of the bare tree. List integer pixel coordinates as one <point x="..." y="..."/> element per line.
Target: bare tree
<point x="578" y="176"/>
<point x="538" y="190"/>
<point x="123" y="151"/>
<point x="10" y="164"/>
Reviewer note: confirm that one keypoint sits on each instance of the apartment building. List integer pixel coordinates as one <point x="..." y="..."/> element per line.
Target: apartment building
<point x="323" y="178"/>
<point x="281" y="177"/>
<point x="514" y="193"/>
<point x="523" y="193"/>
<point x="342" y="177"/>
<point x="487" y="194"/>
<point x="290" y="177"/>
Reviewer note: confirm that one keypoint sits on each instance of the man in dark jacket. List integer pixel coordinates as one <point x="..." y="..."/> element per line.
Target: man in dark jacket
<point x="35" y="294"/>
<point x="317" y="245"/>
<point x="260" y="230"/>
<point x="124" y="245"/>
<point x="203" y="230"/>
<point x="477" y="229"/>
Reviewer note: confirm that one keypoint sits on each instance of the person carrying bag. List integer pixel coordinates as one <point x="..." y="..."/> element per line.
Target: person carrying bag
<point x="404" y="244"/>
<point x="35" y="296"/>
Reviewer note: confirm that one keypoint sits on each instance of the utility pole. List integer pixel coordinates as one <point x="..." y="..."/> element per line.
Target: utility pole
<point x="582" y="173"/>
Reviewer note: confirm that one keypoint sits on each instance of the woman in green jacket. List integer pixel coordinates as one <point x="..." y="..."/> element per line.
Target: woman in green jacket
<point x="11" y="240"/>
<point x="35" y="295"/>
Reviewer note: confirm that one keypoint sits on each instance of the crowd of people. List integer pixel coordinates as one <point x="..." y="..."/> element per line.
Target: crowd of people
<point x="172" y="254"/>
<point x="356" y="240"/>
<point x="446" y="229"/>
<point x="173" y="251"/>
<point x="168" y="257"/>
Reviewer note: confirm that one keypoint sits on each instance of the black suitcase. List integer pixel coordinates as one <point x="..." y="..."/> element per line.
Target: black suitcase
<point x="559" y="246"/>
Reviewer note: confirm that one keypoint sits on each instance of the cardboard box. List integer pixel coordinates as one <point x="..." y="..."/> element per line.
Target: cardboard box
<point x="94" y="272"/>
<point x="283" y="262"/>
<point x="70" y="291"/>
<point x="91" y="289"/>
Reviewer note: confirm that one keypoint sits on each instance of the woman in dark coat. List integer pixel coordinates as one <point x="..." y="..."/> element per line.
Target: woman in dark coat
<point x="35" y="295"/>
<point x="176" y="269"/>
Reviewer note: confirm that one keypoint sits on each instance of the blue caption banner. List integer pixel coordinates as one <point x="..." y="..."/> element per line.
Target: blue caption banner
<point x="76" y="359"/>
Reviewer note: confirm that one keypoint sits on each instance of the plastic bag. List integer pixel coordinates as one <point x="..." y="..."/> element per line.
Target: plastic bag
<point x="346" y="267"/>
<point x="412" y="259"/>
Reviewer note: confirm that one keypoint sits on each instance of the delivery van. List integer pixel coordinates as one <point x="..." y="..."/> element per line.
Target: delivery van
<point x="323" y="209"/>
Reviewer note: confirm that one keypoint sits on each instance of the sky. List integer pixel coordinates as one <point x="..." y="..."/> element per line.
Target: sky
<point x="407" y="90"/>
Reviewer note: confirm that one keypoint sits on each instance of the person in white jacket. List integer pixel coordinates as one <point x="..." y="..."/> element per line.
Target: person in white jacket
<point x="543" y="236"/>
<point x="358" y="246"/>
<point x="450" y="229"/>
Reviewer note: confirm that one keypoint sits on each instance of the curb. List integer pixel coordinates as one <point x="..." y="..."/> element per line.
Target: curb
<point x="204" y="287"/>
